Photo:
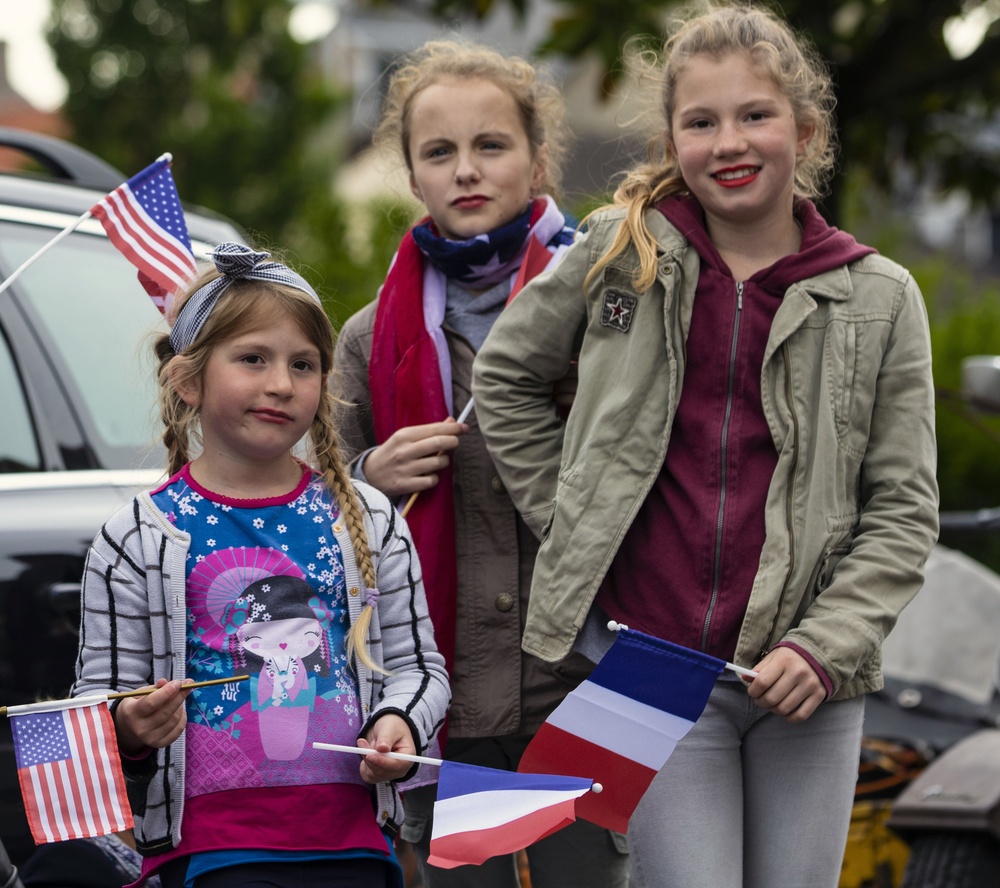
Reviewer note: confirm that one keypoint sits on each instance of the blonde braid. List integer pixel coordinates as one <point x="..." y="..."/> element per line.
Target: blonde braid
<point x="177" y="418"/>
<point x="337" y="479"/>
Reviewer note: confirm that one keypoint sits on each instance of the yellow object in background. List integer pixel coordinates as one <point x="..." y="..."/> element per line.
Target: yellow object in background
<point x="875" y="856"/>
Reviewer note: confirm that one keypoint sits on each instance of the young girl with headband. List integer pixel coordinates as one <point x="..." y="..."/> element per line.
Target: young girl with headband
<point x="248" y="560"/>
<point x="748" y="469"/>
<point x="481" y="136"/>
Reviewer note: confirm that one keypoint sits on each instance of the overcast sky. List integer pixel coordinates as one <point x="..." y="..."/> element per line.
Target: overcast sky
<point x="30" y="66"/>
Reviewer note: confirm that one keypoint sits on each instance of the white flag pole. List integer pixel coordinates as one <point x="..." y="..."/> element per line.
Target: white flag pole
<point x="406" y="757"/>
<point x="732" y="667"/>
<point x="360" y="750"/>
<point x="41" y="252"/>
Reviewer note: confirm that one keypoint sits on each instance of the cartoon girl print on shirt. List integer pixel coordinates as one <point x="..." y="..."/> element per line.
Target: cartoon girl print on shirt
<point x="278" y="630"/>
<point x="253" y="610"/>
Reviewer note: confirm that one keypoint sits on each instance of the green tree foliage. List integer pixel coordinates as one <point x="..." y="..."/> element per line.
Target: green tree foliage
<point x="968" y="441"/>
<point x="249" y="118"/>
<point x="964" y="314"/>
<point x="902" y="96"/>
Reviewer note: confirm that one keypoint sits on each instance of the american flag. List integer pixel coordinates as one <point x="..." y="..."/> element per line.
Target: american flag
<point x="144" y="219"/>
<point x="70" y="772"/>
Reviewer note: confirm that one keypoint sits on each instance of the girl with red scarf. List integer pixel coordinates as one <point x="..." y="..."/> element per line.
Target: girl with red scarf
<point x="482" y="137"/>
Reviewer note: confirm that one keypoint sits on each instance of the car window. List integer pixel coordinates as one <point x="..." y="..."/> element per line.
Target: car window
<point x="18" y="446"/>
<point x="92" y="313"/>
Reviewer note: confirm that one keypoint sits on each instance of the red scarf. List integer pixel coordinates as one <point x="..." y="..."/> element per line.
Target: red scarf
<point x="405" y="383"/>
<point x="404" y="378"/>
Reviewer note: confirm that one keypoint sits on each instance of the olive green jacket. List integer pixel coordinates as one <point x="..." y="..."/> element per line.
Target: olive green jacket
<point x="851" y="511"/>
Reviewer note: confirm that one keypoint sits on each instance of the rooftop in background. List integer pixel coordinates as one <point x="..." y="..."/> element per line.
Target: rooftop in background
<point x="17" y="111"/>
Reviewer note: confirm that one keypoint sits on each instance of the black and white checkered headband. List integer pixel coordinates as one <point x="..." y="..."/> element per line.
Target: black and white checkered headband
<point x="236" y="262"/>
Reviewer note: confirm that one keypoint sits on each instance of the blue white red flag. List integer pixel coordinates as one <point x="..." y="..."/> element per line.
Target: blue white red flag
<point x="145" y="221"/>
<point x="483" y="812"/>
<point x="69" y="770"/>
<point x="621" y="725"/>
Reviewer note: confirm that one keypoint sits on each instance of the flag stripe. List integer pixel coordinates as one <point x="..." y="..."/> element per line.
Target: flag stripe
<point x="458" y="781"/>
<point x="98" y="795"/>
<point x="659" y="674"/>
<point x="63" y="789"/>
<point x="111" y="781"/>
<point x="80" y="785"/>
<point x="487" y="810"/>
<point x="131" y="230"/>
<point x="623" y="780"/>
<point x="131" y="246"/>
<point x="171" y="250"/>
<point x="39" y="814"/>
<point x="136" y="239"/>
<point x="619" y="723"/>
<point x="474" y="846"/>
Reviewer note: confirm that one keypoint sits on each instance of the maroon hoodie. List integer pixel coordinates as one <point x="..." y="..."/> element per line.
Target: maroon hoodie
<point x="687" y="564"/>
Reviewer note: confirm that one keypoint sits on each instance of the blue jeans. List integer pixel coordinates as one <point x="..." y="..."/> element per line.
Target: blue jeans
<point x="581" y="855"/>
<point x="748" y="800"/>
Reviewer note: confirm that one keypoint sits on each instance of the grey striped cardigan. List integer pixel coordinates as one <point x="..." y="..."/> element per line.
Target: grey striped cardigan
<point x="132" y="632"/>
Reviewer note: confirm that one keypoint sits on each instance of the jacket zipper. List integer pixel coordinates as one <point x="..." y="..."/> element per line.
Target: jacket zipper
<point x="723" y="456"/>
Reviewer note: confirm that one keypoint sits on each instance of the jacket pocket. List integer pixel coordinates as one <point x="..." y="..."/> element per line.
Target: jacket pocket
<point x="852" y="359"/>
<point x="822" y="574"/>
<point x="567" y="479"/>
<point x="841" y="363"/>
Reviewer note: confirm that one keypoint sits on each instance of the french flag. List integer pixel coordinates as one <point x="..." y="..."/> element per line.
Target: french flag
<point x="483" y="812"/>
<point x="621" y="725"/>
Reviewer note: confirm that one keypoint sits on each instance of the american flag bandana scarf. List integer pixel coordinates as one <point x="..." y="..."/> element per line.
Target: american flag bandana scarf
<point x="485" y="260"/>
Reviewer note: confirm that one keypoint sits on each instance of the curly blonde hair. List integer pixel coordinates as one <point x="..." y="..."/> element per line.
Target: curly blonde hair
<point x="244" y="306"/>
<point x="539" y="102"/>
<point x="718" y="29"/>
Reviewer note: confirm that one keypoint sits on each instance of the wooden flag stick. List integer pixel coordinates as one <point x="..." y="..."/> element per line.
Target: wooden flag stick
<point x="142" y="692"/>
<point x="464" y="415"/>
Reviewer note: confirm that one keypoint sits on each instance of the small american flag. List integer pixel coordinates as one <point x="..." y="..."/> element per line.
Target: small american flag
<point x="144" y="219"/>
<point x="70" y="772"/>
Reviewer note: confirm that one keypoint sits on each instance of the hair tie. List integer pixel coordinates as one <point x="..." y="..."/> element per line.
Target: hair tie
<point x="236" y="262"/>
<point x="371" y="597"/>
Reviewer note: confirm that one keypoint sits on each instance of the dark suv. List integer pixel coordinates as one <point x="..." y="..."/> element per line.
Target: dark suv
<point x="76" y="416"/>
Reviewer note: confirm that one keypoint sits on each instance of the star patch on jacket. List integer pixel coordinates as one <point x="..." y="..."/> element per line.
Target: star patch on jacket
<point x="618" y="309"/>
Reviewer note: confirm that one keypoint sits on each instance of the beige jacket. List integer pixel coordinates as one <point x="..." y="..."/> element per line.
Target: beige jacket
<point x="497" y="689"/>
<point x="851" y="510"/>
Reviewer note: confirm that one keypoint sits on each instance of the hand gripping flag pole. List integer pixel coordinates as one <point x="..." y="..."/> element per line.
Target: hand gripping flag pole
<point x="69" y="767"/>
<point x="462" y="417"/>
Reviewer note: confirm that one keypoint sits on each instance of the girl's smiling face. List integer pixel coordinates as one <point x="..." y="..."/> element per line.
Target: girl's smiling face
<point x="472" y="164"/>
<point x="734" y="133"/>
<point x="289" y="637"/>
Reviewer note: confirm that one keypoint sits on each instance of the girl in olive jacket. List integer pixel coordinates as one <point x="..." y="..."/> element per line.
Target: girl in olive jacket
<point x="748" y="468"/>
